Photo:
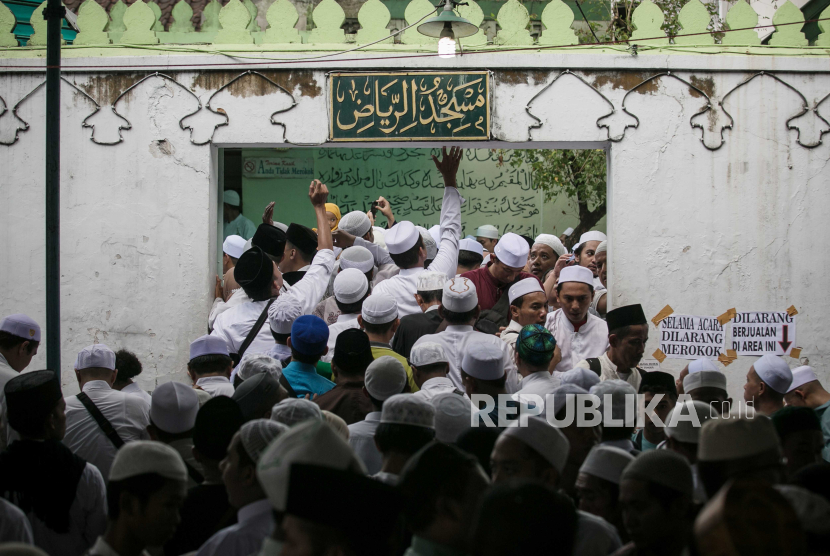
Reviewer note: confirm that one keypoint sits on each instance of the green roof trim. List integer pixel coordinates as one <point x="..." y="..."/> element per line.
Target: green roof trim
<point x="594" y="9"/>
<point x="22" y="10"/>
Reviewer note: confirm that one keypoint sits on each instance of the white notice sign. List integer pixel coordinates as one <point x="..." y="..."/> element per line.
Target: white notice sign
<point x="278" y="168"/>
<point x="691" y="337"/>
<point x="762" y="332"/>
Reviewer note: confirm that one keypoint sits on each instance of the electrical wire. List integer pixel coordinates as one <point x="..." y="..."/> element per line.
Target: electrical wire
<point x="585" y="18"/>
<point x="321" y="59"/>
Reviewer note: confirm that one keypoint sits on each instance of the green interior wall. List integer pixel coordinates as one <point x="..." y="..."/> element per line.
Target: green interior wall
<point x="496" y="194"/>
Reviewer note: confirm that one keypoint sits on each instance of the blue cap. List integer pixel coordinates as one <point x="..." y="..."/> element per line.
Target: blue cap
<point x="208" y="345"/>
<point x="309" y="335"/>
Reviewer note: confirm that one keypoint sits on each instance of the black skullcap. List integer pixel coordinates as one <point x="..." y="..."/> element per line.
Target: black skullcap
<point x="30" y="397"/>
<point x="216" y="423"/>
<point x="270" y="239"/>
<point x="256" y="395"/>
<point x="303" y="239"/>
<point x="629" y="315"/>
<point x="530" y="241"/>
<point x="254" y="270"/>
<point x="659" y="380"/>
<point x="352" y="351"/>
<point x="364" y="510"/>
<point x="790" y="419"/>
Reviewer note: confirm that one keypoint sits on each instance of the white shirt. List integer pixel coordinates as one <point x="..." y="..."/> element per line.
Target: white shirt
<point x="129" y="416"/>
<point x="344" y="322"/>
<point x="455" y="339"/>
<point x="404" y="286"/>
<point x="594" y="536"/>
<point x="136" y="390"/>
<point x="254" y="522"/>
<point x="216" y="386"/>
<point x="590" y="341"/>
<point x="362" y="441"/>
<point x="611" y="372"/>
<point x="6" y="374"/>
<point x="220" y="305"/>
<point x="434" y="386"/>
<point x="510" y="334"/>
<point x="87" y="518"/>
<point x="234" y="324"/>
<point x="538" y="384"/>
<point x="387" y="478"/>
<point x="280" y="352"/>
<point x="14" y="525"/>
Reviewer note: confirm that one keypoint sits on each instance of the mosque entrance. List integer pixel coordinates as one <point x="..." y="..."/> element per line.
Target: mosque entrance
<point x="511" y="189"/>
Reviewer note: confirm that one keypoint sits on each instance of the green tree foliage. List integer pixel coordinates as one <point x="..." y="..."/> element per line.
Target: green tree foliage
<point x="579" y="175"/>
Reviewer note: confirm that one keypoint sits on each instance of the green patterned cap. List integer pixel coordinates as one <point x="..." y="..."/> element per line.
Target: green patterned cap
<point x="535" y="345"/>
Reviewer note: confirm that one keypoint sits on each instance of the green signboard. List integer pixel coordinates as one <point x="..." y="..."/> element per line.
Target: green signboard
<point x="410" y="106"/>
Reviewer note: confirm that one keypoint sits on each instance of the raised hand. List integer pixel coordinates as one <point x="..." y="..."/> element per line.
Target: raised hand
<point x="342" y="239"/>
<point x="448" y="166"/>
<point x="268" y="215"/>
<point x="318" y="193"/>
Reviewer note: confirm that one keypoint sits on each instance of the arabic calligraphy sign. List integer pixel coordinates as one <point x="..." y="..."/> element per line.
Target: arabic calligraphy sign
<point x="407" y="106"/>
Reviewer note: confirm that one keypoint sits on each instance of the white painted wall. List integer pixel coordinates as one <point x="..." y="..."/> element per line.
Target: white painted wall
<point x="702" y="231"/>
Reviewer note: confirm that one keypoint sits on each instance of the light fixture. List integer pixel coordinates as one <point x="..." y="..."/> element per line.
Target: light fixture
<point x="447" y="28"/>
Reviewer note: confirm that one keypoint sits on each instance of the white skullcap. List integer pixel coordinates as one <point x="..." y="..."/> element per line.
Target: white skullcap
<point x="487" y="231"/>
<point x="234" y="246"/>
<point x="380" y="236"/>
<point x="231" y="197"/>
<point x="472" y="245"/>
<point x="21" y="326"/>
<point x="281" y="226"/>
<point x="291" y="411"/>
<point x="337" y="423"/>
<point x="282" y="314"/>
<point x="801" y="376"/>
<point x="429" y="242"/>
<point x="356" y="223"/>
<point x="350" y="286"/>
<point x="702" y="364"/>
<point x="553" y="242"/>
<point x="512" y="250"/>
<point x="548" y="441"/>
<point x="427" y="353"/>
<point x="406" y="409"/>
<point x="402" y="237"/>
<point x="662" y="467"/>
<point x="101" y="357"/>
<point x="173" y="407"/>
<point x="618" y="389"/>
<point x="453" y="416"/>
<point x="813" y="510"/>
<point x="730" y="438"/>
<point x="429" y="281"/>
<point x="684" y="429"/>
<point x="313" y="443"/>
<point x="141" y="457"/>
<point x="256" y="435"/>
<point x="593" y="235"/>
<point x="704" y="379"/>
<point x="357" y="257"/>
<point x="602" y="247"/>
<point x="248" y="245"/>
<point x="252" y="365"/>
<point x="385" y="377"/>
<point x="459" y="295"/>
<point x="523" y="287"/>
<point x="435" y="233"/>
<point x="576" y="273"/>
<point x="606" y="462"/>
<point x="379" y="308"/>
<point x="483" y="360"/>
<point x="208" y="345"/>
<point x="561" y="394"/>
<point x="775" y="372"/>
<point x="584" y="378"/>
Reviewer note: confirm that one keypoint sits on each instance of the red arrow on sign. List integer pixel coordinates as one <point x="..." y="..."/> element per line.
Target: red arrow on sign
<point x="785" y="345"/>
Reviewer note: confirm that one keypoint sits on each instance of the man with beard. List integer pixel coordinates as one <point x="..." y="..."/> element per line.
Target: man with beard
<point x="627" y="337"/>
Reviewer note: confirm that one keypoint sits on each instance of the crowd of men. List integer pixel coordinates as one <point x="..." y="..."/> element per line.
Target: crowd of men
<point x="339" y="407"/>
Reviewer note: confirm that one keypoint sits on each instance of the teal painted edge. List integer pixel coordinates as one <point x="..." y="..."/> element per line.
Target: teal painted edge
<point x="594" y="9"/>
<point x="812" y="10"/>
<point x="22" y="10"/>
